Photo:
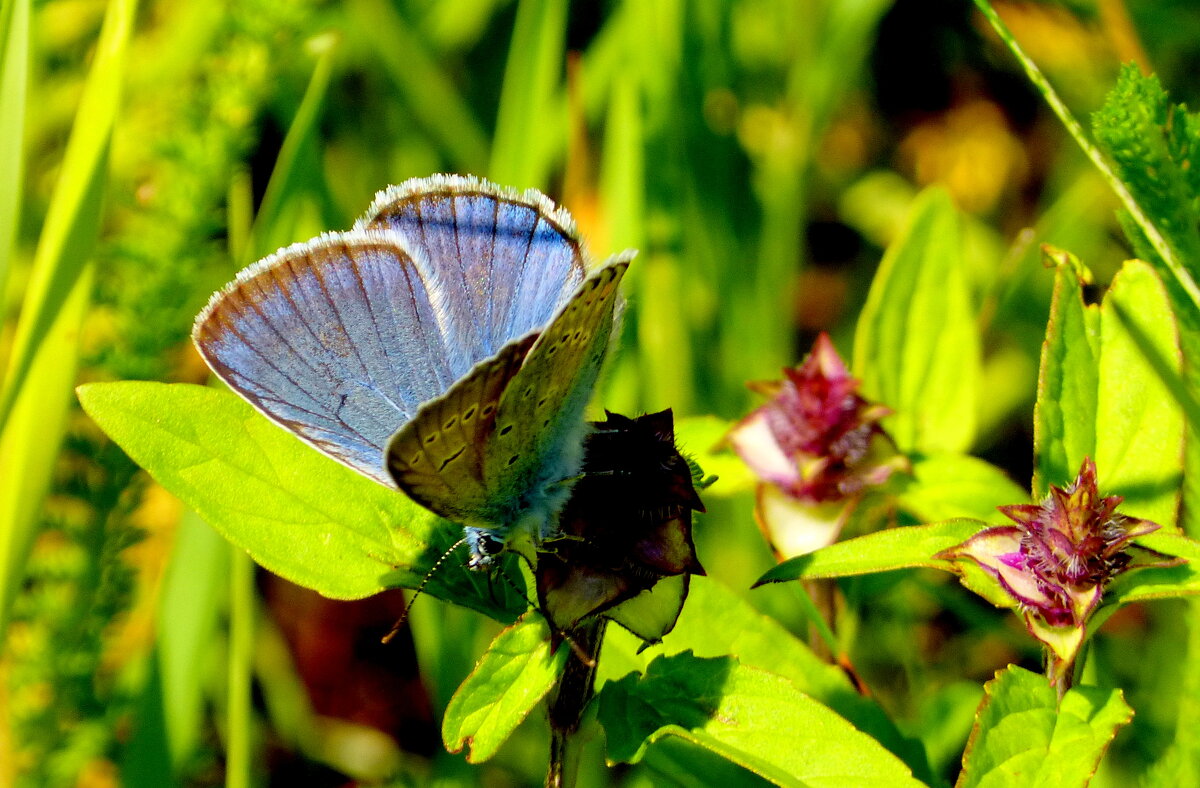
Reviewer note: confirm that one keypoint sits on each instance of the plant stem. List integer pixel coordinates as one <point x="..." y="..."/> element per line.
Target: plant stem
<point x="570" y="698"/>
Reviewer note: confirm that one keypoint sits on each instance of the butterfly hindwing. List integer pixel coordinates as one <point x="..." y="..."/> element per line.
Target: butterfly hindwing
<point x="437" y="458"/>
<point x="537" y="439"/>
<point x="336" y="339"/>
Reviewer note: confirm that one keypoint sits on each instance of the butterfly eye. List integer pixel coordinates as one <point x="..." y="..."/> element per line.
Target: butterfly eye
<point x="449" y="425"/>
<point x="470" y="412"/>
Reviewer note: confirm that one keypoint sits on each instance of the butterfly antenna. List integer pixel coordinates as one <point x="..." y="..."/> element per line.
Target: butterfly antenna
<point x="421" y="587"/>
<point x="580" y="653"/>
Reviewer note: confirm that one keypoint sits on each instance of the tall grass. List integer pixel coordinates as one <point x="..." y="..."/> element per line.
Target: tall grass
<point x="36" y="390"/>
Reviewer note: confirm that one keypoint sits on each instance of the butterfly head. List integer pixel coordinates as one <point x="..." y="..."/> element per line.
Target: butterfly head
<point x="485" y="547"/>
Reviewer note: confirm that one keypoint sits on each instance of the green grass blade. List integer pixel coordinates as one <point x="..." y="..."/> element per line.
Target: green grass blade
<point x="1153" y="234"/>
<point x="533" y="71"/>
<point x="265" y="234"/>
<point x="14" y="85"/>
<point x="73" y="218"/>
<point x="429" y="93"/>
<point x="186" y="622"/>
<point x="30" y="440"/>
<point x="239" y="736"/>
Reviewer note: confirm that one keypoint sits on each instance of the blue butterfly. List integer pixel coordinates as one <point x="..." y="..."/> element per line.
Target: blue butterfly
<point x="446" y="345"/>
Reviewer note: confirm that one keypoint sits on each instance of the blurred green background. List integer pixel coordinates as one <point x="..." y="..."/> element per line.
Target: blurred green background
<point x="760" y="154"/>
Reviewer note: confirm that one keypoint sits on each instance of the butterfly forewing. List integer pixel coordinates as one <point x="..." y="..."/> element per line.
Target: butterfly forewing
<point x="539" y="429"/>
<point x="437" y="458"/>
<point x="336" y="339"/>
<point x="505" y="261"/>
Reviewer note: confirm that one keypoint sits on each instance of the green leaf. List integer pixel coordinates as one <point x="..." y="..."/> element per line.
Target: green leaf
<point x="513" y="676"/>
<point x="882" y="551"/>
<point x="950" y="486"/>
<point x="1064" y="418"/>
<point x="717" y="622"/>
<point x="916" y="347"/>
<point x="298" y="513"/>
<point x="1139" y="425"/>
<point x="754" y="718"/>
<point x="1023" y="736"/>
<point x="1139" y="585"/>
<point x="1152" y="144"/>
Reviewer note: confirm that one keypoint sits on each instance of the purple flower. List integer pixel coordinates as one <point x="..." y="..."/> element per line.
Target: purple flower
<point x="1057" y="559"/>
<point x="817" y="445"/>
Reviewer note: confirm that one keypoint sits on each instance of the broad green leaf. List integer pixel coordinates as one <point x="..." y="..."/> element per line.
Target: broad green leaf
<point x="882" y="551"/>
<point x="531" y="74"/>
<point x="1064" y="418"/>
<point x="1152" y="143"/>
<point x="754" y="718"/>
<point x="73" y="218"/>
<point x="916" y="347"/>
<point x="1139" y="425"/>
<point x="512" y="677"/>
<point x="14" y="88"/>
<point x="298" y="513"/>
<point x="949" y="486"/>
<point x="30" y="441"/>
<point x="675" y="761"/>
<point x="1023" y="736"/>
<point x="1152" y="582"/>
<point x="717" y="622"/>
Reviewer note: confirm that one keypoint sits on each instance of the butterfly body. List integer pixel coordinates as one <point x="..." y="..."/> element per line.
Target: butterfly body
<point x="447" y="346"/>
